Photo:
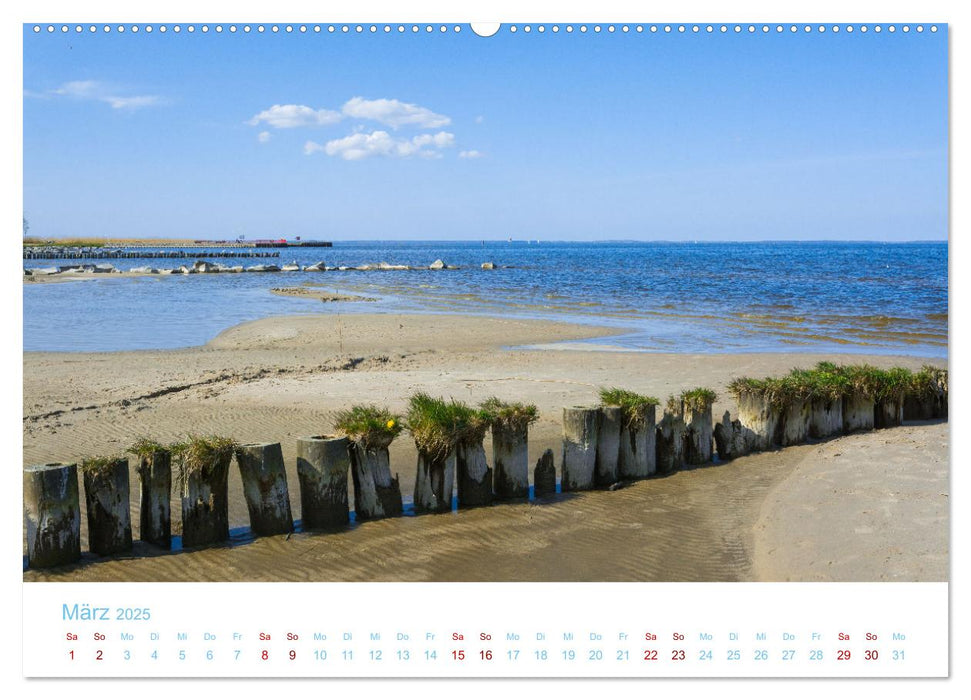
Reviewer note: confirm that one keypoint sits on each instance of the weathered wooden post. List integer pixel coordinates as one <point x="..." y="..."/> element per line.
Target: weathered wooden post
<point x="203" y="468"/>
<point x="323" y="462"/>
<point x="52" y="515"/>
<point x="888" y="407"/>
<point x="544" y="476"/>
<point x="696" y="410"/>
<point x="434" y="482"/>
<point x="606" y="469"/>
<point x="371" y="431"/>
<point x="888" y="412"/>
<point x="921" y="396"/>
<point x="796" y="418"/>
<point x="265" y="488"/>
<point x="759" y="411"/>
<point x="638" y="453"/>
<point x="510" y="447"/>
<point x="580" y="426"/>
<point x="857" y="413"/>
<point x="432" y="425"/>
<point x="826" y="418"/>
<point x="670" y="439"/>
<point x="730" y="438"/>
<point x="863" y="383"/>
<point x="376" y="493"/>
<point x="941" y="403"/>
<point x="155" y="474"/>
<point x="106" y="494"/>
<point x="473" y="475"/>
<point x="472" y="470"/>
<point x="926" y="396"/>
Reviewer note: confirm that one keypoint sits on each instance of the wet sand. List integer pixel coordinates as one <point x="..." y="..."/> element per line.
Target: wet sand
<point x="764" y="517"/>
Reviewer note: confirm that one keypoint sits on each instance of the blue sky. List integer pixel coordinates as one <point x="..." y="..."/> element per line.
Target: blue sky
<point x="541" y="136"/>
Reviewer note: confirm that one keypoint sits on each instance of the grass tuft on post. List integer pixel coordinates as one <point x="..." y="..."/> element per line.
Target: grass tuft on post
<point x="200" y="455"/>
<point x="369" y="426"/>
<point x="699" y="399"/>
<point x="510" y="423"/>
<point x="513" y="416"/>
<point x="371" y="430"/>
<point x="636" y="406"/>
<point x="438" y="425"/>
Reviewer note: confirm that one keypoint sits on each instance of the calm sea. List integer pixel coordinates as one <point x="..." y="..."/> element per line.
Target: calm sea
<point x="661" y="297"/>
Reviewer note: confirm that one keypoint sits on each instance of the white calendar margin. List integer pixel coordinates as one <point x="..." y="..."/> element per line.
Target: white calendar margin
<point x="506" y="10"/>
<point x="594" y="614"/>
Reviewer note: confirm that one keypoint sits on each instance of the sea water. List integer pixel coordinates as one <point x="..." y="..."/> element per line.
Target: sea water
<point x="661" y="297"/>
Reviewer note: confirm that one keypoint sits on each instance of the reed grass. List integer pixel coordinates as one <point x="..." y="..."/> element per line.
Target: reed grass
<point x="199" y="455"/>
<point x="146" y="447"/>
<point x="512" y="416"/>
<point x="829" y="381"/>
<point x="699" y="399"/>
<point x="634" y="406"/>
<point x="99" y="467"/>
<point x="438" y="425"/>
<point x="369" y="425"/>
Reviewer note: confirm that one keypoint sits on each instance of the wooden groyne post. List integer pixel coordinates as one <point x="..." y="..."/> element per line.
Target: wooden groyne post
<point x="376" y="493"/>
<point x="580" y="437"/>
<point x="826" y="417"/>
<point x="796" y="419"/>
<point x="510" y="446"/>
<point x="696" y="412"/>
<point x="155" y="476"/>
<point x="858" y="413"/>
<point x="762" y="418"/>
<point x="474" y="476"/>
<point x="510" y="455"/>
<point x="106" y="497"/>
<point x="265" y="488"/>
<point x="323" y="462"/>
<point x="544" y="476"/>
<point x="731" y="439"/>
<point x="204" y="482"/>
<point x="52" y="515"/>
<point x="669" y="437"/>
<point x="434" y="481"/>
<point x="606" y="469"/>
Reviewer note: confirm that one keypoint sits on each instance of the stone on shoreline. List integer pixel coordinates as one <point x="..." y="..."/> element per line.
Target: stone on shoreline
<point x="263" y="268"/>
<point x="292" y="267"/>
<point x="437" y="265"/>
<point x="144" y="270"/>
<point x="204" y="266"/>
<point x="488" y="266"/>
<point x="319" y="266"/>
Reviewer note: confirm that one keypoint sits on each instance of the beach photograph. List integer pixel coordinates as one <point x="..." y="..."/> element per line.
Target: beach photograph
<point x="562" y="302"/>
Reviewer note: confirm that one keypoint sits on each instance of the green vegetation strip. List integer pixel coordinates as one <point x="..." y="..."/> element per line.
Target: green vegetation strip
<point x="829" y="381"/>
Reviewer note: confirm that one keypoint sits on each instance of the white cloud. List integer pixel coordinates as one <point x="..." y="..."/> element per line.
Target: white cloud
<point x="471" y="154"/>
<point x="79" y="88"/>
<point x="394" y="113"/>
<point x="380" y="143"/>
<point x="479" y="119"/>
<point x="291" y="116"/>
<point x="263" y="136"/>
<point x="94" y="90"/>
<point x="131" y="102"/>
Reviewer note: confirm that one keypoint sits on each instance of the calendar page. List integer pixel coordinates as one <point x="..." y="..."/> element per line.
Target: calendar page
<point x="550" y="349"/>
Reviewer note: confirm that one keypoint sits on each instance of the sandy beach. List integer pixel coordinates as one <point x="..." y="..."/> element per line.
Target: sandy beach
<point x="865" y="507"/>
